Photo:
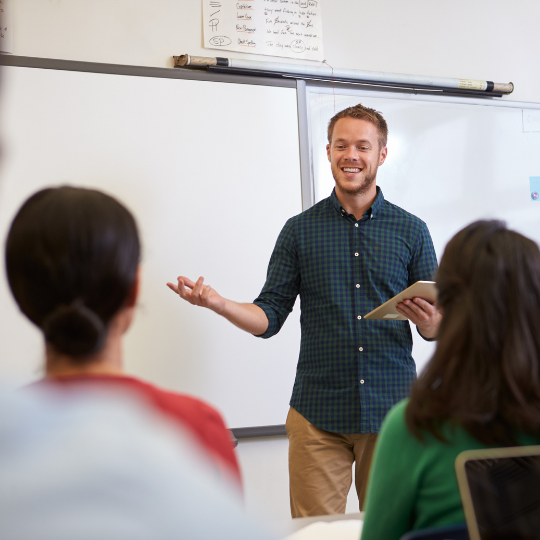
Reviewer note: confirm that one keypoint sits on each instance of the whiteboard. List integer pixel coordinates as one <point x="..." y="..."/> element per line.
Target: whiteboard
<point x="450" y="161"/>
<point x="211" y="171"/>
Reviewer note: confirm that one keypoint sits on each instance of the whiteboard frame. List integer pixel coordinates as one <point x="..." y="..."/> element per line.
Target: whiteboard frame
<point x="304" y="87"/>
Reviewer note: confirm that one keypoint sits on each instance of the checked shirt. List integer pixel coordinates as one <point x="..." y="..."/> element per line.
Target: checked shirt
<point x="351" y="371"/>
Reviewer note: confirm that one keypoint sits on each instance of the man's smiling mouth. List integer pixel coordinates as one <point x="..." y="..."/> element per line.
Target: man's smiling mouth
<point x="351" y="169"/>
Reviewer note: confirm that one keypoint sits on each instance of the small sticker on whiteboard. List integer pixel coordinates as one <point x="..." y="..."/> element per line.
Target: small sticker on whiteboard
<point x="535" y="188"/>
<point x="391" y="316"/>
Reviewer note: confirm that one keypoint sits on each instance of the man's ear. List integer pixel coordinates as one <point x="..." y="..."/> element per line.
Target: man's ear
<point x="382" y="157"/>
<point x="328" y="152"/>
<point x="133" y="295"/>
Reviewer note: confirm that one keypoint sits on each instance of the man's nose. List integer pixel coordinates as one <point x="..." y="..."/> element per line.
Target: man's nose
<point x="352" y="153"/>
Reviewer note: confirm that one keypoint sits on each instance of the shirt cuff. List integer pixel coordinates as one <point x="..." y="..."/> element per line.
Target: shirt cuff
<point x="273" y="324"/>
<point x="424" y="337"/>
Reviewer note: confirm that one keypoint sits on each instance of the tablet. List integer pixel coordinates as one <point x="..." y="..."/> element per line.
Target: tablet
<point x="420" y="289"/>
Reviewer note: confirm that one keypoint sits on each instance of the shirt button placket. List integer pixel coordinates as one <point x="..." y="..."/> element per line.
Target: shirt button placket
<point x="358" y="276"/>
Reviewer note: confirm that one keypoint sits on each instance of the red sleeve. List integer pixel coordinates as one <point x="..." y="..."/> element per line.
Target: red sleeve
<point x="204" y="422"/>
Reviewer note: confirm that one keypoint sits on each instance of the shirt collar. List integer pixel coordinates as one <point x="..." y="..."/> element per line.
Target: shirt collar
<point x="374" y="209"/>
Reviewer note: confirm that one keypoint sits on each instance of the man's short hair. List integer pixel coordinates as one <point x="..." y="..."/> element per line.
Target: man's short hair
<point x="362" y="113"/>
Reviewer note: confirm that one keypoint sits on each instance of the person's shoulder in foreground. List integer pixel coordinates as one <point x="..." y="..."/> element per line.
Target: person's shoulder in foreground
<point x="93" y="465"/>
<point x="203" y="421"/>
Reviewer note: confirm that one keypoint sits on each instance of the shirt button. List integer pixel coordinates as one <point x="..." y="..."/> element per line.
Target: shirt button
<point x="358" y="285"/>
<point x="359" y="317"/>
<point x="356" y="254"/>
<point x="361" y="381"/>
<point x="356" y="224"/>
<point x="361" y="349"/>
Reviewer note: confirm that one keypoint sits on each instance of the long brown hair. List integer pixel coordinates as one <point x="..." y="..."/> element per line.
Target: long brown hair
<point x="485" y="373"/>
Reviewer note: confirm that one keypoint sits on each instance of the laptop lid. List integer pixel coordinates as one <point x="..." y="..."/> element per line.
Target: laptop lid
<point x="500" y="491"/>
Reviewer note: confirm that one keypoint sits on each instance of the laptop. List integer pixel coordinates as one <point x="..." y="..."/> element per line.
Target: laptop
<point x="500" y="491"/>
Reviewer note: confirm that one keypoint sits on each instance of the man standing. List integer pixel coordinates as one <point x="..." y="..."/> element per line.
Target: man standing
<point x="345" y="256"/>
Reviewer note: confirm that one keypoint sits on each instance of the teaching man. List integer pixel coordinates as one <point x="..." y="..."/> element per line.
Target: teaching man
<point x="344" y="256"/>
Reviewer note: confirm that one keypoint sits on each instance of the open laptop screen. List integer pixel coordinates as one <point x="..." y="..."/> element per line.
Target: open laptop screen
<point x="500" y="489"/>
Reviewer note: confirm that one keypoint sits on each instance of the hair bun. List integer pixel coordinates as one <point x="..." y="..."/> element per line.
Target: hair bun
<point x="74" y="329"/>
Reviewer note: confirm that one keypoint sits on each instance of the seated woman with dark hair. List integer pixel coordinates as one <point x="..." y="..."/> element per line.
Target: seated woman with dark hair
<point x="481" y="388"/>
<point x="72" y="259"/>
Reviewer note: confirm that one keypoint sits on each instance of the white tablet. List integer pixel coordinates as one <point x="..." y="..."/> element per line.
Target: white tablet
<point x="387" y="311"/>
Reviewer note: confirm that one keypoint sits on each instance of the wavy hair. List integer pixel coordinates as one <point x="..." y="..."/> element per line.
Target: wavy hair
<point x="485" y="373"/>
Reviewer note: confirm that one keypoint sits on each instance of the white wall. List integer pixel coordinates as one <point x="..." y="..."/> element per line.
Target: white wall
<point x="478" y="39"/>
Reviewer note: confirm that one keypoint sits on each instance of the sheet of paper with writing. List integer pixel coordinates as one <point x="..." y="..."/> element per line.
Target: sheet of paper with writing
<point x="290" y="28"/>
<point x="6" y="30"/>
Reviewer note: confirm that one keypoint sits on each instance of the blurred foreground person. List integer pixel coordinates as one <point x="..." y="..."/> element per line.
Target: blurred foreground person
<point x="481" y="388"/>
<point x="72" y="261"/>
<point x="100" y="465"/>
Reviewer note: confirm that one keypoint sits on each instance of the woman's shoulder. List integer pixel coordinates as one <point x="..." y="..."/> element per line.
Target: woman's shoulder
<point x="395" y="421"/>
<point x="184" y="405"/>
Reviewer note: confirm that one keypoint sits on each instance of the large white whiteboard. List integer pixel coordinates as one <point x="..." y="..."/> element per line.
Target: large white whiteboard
<point x="450" y="161"/>
<point x="211" y="171"/>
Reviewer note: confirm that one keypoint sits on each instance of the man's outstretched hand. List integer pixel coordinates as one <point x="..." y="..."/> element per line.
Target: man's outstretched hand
<point x="248" y="317"/>
<point x="198" y="294"/>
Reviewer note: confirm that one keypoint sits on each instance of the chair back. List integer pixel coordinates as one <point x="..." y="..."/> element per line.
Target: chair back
<point x="449" y="532"/>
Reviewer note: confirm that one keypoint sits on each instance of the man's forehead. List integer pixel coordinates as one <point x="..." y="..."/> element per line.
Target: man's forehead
<point x="355" y="123"/>
<point x="357" y="129"/>
<point x="360" y="139"/>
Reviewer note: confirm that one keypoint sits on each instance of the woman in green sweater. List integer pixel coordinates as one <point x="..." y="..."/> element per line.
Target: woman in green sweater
<point x="481" y="388"/>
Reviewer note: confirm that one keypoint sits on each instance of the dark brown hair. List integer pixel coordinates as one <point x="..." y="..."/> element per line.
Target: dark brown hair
<point x="71" y="261"/>
<point x="362" y="113"/>
<point x="485" y="373"/>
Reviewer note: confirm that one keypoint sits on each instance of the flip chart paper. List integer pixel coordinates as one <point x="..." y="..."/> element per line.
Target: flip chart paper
<point x="289" y="28"/>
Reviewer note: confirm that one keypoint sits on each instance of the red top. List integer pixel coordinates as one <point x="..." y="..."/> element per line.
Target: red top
<point x="200" y="419"/>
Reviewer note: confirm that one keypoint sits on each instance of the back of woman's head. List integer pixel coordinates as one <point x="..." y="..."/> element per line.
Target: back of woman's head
<point x="71" y="261"/>
<point x="485" y="373"/>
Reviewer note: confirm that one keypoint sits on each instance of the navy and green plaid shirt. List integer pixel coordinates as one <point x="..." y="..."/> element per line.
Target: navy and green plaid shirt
<point x="351" y="371"/>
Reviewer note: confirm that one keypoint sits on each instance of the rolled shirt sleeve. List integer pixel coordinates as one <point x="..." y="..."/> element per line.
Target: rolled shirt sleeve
<point x="282" y="285"/>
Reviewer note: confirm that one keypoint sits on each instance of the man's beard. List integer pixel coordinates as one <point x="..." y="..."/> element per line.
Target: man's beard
<point x="361" y="189"/>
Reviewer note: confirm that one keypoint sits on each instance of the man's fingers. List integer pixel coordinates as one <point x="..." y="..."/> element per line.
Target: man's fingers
<point x="425" y="306"/>
<point x="206" y="293"/>
<point x="173" y="287"/>
<point x="199" y="295"/>
<point x="412" y="311"/>
<point x="196" y="289"/>
<point x="182" y="291"/>
<point x="405" y="310"/>
<point x="187" y="282"/>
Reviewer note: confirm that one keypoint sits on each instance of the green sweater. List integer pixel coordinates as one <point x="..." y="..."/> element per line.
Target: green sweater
<point x="413" y="484"/>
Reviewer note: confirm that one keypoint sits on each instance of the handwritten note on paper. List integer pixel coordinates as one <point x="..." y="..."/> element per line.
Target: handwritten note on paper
<point x="290" y="28"/>
<point x="6" y="31"/>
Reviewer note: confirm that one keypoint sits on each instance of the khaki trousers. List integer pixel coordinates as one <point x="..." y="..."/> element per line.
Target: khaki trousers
<point x="320" y="467"/>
